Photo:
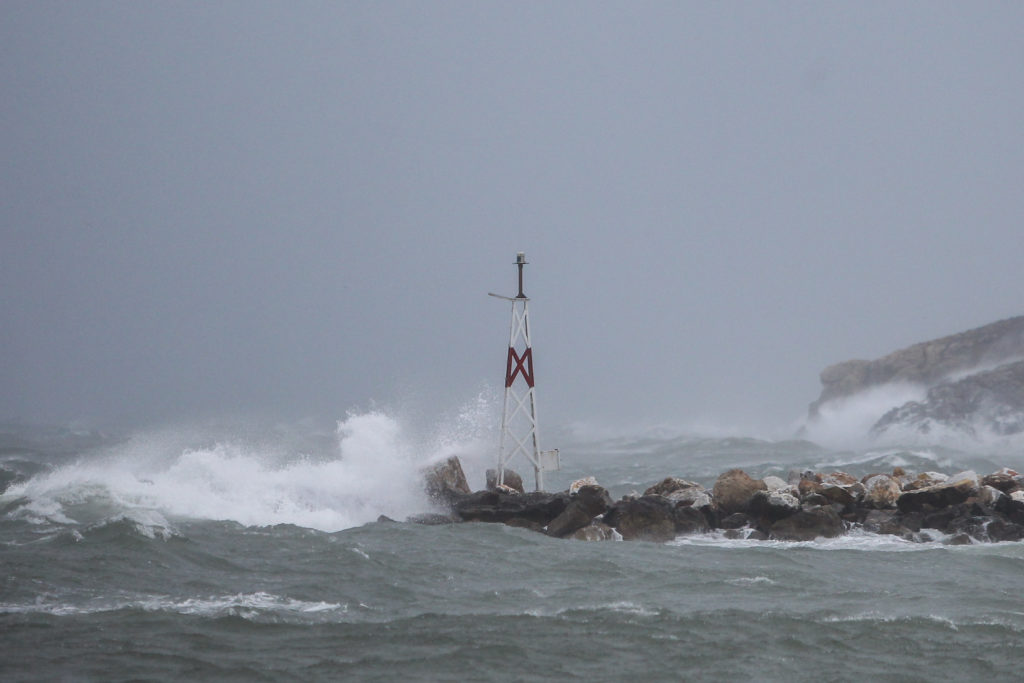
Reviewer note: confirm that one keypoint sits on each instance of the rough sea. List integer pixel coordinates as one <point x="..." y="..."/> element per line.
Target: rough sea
<point x="221" y="552"/>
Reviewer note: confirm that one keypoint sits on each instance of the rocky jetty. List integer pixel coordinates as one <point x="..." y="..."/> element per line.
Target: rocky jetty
<point x="959" y="508"/>
<point x="971" y="381"/>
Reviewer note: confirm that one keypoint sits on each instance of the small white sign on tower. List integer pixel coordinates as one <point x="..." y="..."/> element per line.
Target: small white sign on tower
<point x="519" y="409"/>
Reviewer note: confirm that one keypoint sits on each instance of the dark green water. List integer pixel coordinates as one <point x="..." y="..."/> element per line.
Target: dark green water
<point x="105" y="578"/>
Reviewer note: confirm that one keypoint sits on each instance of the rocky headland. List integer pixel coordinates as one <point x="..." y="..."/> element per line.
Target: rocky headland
<point x="971" y="382"/>
<point x="959" y="508"/>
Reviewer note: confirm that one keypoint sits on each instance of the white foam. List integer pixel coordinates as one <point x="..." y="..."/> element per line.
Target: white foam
<point x="846" y="422"/>
<point x="376" y="471"/>
<point x="856" y="539"/>
<point x="242" y="604"/>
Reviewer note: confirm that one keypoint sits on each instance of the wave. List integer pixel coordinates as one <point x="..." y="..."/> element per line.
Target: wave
<point x="245" y="605"/>
<point x="373" y="470"/>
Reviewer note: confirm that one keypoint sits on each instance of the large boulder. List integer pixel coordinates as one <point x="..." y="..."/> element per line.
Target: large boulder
<point x="734" y="489"/>
<point x="649" y="518"/>
<point x="586" y="504"/>
<point x="510" y="479"/>
<point x="696" y="497"/>
<point x="924" y="480"/>
<point x="445" y="482"/>
<point x="669" y="485"/>
<point x="535" y="510"/>
<point x="808" y="524"/>
<point x="957" y="489"/>
<point x="881" y="491"/>
<point x="771" y="506"/>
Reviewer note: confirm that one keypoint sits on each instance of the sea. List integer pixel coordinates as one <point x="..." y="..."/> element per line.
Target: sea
<point x="250" y="551"/>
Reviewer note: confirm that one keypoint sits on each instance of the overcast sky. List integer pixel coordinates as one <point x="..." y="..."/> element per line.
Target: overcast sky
<point x="297" y="208"/>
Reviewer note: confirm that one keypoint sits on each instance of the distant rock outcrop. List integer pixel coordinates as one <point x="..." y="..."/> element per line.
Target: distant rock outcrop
<point x="992" y="398"/>
<point x="973" y="380"/>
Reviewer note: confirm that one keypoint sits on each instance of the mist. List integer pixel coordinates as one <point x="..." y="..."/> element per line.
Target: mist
<point x="297" y="210"/>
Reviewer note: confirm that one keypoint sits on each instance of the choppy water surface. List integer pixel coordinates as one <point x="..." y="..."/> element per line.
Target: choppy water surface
<point x="242" y="561"/>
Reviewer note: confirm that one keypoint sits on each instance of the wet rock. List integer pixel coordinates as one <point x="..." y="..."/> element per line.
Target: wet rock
<point x="736" y="520"/>
<point x="881" y="491"/>
<point x="839" y="479"/>
<point x="734" y="489"/>
<point x="511" y="480"/>
<point x="1002" y="530"/>
<point x="586" y="504"/>
<point x="892" y="522"/>
<point x="952" y="492"/>
<point x="539" y="507"/>
<point x="771" y="506"/>
<point x="648" y="518"/>
<point x="809" y="487"/>
<point x="429" y="519"/>
<point x="596" y="531"/>
<point x="580" y="483"/>
<point x="842" y="495"/>
<point x="808" y="524"/>
<point x="689" y="520"/>
<point x="695" y="497"/>
<point x="445" y="482"/>
<point x="1000" y="480"/>
<point x="925" y="480"/>
<point x="669" y="485"/>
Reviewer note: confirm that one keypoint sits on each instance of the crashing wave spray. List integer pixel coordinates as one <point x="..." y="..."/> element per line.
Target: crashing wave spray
<point x="374" y="471"/>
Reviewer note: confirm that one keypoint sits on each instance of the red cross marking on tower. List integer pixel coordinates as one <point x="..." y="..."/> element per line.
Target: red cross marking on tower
<point x="523" y="364"/>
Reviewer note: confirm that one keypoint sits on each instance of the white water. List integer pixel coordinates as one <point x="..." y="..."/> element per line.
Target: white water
<point x="375" y="470"/>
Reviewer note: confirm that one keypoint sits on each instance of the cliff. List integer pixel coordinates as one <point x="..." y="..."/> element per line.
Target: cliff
<point x="973" y="378"/>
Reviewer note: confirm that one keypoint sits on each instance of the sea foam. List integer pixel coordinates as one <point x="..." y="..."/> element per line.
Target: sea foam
<point x="375" y="470"/>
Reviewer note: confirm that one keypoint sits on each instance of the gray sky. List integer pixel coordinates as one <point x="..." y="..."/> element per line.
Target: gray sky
<point x="296" y="208"/>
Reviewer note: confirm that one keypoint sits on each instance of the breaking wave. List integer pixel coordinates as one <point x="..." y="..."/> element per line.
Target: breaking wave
<point x="373" y="469"/>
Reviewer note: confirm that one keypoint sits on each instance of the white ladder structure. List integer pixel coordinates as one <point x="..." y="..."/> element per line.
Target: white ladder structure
<point x="519" y="408"/>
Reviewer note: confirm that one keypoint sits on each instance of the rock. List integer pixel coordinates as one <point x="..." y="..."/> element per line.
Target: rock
<point x="734" y="489"/>
<point x="955" y="490"/>
<point x="773" y="483"/>
<point x="580" y="483"/>
<point x="689" y="520"/>
<point x="588" y="502"/>
<point x="538" y="508"/>
<point x="881" y="491"/>
<point x="649" y="518"/>
<point x="839" y="479"/>
<point x="597" y="531"/>
<point x="927" y="363"/>
<point x="669" y="485"/>
<point x="892" y="522"/>
<point x="990" y="497"/>
<point x="430" y="519"/>
<point x="695" y="497"/>
<point x="809" y="487"/>
<point x="511" y="480"/>
<point x="771" y="506"/>
<point x="445" y="482"/>
<point x="1000" y="480"/>
<point x="808" y="524"/>
<point x="842" y="495"/>
<point x="736" y="520"/>
<point x="925" y="480"/>
<point x="990" y="399"/>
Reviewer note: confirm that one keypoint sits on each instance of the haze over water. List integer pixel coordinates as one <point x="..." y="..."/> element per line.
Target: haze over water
<point x="244" y="255"/>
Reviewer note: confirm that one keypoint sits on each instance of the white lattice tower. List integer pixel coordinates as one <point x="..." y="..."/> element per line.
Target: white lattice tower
<point x="519" y="408"/>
